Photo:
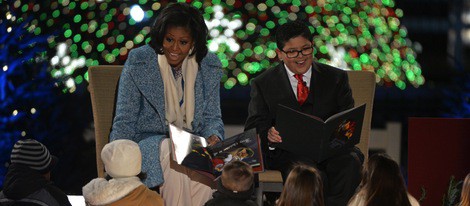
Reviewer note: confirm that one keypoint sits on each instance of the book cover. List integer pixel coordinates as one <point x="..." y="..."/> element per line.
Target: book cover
<point x="318" y="139"/>
<point x="244" y="146"/>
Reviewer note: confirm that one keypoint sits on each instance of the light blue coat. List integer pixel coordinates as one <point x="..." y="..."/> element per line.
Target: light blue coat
<point x="140" y="106"/>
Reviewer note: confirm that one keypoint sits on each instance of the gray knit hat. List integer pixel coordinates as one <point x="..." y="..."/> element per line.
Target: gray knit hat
<point x="33" y="154"/>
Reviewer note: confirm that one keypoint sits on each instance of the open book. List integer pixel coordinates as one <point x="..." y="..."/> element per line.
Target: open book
<point x="310" y="136"/>
<point x="244" y="146"/>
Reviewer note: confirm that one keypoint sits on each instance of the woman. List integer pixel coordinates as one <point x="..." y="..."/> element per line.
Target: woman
<point x="303" y="187"/>
<point x="382" y="184"/>
<point x="172" y="80"/>
<point x="465" y="194"/>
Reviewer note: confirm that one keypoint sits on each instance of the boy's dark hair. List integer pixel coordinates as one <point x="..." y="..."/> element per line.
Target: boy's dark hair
<point x="180" y="15"/>
<point x="291" y="30"/>
<point x="237" y="176"/>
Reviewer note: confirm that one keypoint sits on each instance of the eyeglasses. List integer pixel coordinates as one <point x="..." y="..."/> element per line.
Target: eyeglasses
<point x="295" y="53"/>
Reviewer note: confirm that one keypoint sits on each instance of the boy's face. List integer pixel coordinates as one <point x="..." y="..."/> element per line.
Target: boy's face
<point x="301" y="63"/>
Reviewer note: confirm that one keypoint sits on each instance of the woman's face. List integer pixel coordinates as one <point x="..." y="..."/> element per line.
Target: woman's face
<point x="176" y="45"/>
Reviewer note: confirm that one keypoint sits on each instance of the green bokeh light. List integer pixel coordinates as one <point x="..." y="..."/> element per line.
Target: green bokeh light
<point x="77" y="18"/>
<point x="84" y="5"/>
<point x="369" y="32"/>
<point x="242" y="78"/>
<point x="77" y="38"/>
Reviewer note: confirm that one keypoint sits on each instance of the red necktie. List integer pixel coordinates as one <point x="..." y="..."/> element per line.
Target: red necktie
<point x="302" y="89"/>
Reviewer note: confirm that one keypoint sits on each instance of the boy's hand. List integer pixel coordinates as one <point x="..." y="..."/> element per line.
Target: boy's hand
<point x="273" y="135"/>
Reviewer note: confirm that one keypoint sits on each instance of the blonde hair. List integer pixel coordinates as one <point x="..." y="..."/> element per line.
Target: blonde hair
<point x="465" y="195"/>
<point x="303" y="187"/>
<point x="237" y="176"/>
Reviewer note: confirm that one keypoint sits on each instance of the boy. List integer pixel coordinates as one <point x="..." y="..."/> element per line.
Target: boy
<point x="28" y="179"/>
<point x="235" y="186"/>
<point x="309" y="87"/>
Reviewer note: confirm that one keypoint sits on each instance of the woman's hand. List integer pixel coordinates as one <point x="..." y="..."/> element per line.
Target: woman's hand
<point x="213" y="139"/>
<point x="273" y="135"/>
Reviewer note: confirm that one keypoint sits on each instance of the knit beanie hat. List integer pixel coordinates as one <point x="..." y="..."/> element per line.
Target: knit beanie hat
<point x="32" y="154"/>
<point x="122" y="158"/>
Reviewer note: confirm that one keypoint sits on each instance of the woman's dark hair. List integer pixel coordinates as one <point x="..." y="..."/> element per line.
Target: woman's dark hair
<point x="142" y="176"/>
<point x="291" y="30"/>
<point x="180" y="15"/>
<point x="303" y="187"/>
<point x="382" y="182"/>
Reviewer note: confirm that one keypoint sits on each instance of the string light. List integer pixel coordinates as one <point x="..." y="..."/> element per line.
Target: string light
<point x="358" y="35"/>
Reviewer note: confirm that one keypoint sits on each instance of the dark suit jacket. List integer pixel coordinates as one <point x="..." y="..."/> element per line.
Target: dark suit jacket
<point x="329" y="93"/>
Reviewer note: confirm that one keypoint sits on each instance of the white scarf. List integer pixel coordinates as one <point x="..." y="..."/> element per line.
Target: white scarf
<point x="181" y="116"/>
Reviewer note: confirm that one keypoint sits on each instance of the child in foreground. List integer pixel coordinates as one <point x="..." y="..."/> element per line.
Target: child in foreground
<point x="235" y="186"/>
<point x="303" y="187"/>
<point x="123" y="186"/>
<point x="382" y="184"/>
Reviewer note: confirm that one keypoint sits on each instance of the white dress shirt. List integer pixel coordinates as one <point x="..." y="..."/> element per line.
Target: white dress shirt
<point x="293" y="81"/>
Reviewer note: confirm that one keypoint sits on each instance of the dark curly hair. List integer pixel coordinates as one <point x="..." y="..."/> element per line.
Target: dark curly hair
<point x="180" y="15"/>
<point x="291" y="30"/>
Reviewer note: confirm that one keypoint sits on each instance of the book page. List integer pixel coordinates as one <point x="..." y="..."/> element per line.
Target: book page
<point x="301" y="113"/>
<point x="184" y="142"/>
<point x="244" y="147"/>
<point x="307" y="136"/>
<point x="343" y="112"/>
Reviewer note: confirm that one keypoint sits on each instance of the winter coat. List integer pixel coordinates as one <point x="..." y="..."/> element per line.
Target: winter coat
<point x="226" y="197"/>
<point x="140" y="106"/>
<point x="120" y="191"/>
<point x="26" y="185"/>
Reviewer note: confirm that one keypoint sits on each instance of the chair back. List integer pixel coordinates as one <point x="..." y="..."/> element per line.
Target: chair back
<point x="363" y="90"/>
<point x="103" y="81"/>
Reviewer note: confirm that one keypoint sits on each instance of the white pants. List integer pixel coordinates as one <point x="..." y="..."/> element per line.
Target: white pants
<point x="179" y="189"/>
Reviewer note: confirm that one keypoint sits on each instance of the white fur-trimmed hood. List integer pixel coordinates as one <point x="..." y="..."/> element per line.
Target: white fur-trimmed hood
<point x="100" y="191"/>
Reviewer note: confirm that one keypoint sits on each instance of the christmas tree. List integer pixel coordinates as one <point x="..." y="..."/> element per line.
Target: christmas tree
<point x="350" y="34"/>
<point x="28" y="95"/>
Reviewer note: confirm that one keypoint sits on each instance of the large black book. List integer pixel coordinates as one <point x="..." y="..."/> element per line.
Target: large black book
<point x="187" y="148"/>
<point x="310" y="136"/>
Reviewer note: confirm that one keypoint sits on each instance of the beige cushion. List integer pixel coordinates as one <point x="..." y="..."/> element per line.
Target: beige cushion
<point x="103" y="82"/>
<point x="363" y="89"/>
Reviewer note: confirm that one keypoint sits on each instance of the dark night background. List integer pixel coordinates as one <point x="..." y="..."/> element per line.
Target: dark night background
<point x="445" y="94"/>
